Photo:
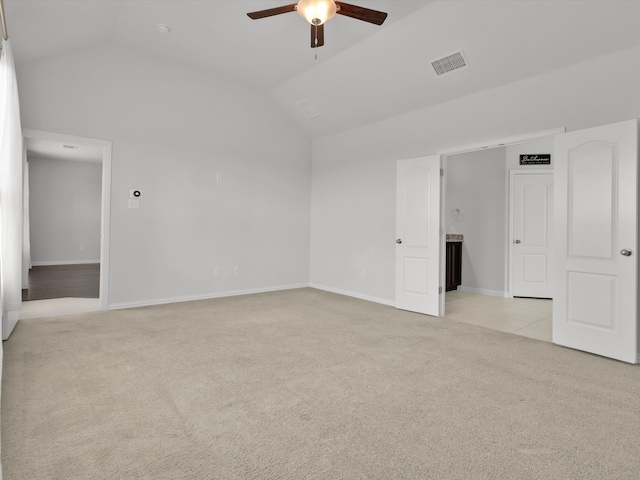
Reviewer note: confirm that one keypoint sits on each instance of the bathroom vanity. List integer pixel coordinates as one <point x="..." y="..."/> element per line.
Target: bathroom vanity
<point x="454" y="261"/>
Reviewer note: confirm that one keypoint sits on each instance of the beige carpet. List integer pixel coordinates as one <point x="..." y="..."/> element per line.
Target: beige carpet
<point x="304" y="384"/>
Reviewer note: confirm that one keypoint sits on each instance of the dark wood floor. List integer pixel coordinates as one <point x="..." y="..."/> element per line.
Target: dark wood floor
<point x="60" y="281"/>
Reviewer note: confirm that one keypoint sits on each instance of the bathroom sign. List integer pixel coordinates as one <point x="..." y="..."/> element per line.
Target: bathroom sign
<point x="536" y="159"/>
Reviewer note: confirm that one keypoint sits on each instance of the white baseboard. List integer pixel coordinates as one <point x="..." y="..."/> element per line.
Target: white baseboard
<point x="353" y="294"/>
<point x="63" y="262"/>
<point x="484" y="291"/>
<point x="233" y="293"/>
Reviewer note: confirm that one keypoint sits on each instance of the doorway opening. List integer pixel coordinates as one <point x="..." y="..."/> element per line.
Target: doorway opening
<point x="485" y="218"/>
<point x="65" y="261"/>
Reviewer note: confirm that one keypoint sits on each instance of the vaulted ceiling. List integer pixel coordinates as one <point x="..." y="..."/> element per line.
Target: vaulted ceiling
<point x="364" y="73"/>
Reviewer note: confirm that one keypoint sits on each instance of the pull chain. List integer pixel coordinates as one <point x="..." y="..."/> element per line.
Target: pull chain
<point x="316" y="41"/>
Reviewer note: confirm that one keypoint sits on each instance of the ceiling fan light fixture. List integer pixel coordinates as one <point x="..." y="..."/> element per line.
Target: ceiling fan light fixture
<point x="317" y="11"/>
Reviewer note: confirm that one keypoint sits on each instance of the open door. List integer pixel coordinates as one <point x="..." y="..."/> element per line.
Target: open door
<point x="596" y="223"/>
<point x="418" y="235"/>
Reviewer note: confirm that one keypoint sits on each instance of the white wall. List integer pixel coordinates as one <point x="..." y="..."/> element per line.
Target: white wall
<point x="476" y="184"/>
<point x="173" y="130"/>
<point x="64" y="209"/>
<point x="530" y="148"/>
<point x="353" y="187"/>
<point x="353" y="214"/>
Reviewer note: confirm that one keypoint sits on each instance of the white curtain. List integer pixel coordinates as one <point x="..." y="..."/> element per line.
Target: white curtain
<point x="11" y="194"/>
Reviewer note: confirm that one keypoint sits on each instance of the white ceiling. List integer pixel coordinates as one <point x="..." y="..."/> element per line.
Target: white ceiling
<point x="364" y="73"/>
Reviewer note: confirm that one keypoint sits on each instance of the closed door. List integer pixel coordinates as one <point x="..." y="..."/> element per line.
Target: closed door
<point x="596" y="222"/>
<point x="531" y="233"/>
<point x="418" y="235"/>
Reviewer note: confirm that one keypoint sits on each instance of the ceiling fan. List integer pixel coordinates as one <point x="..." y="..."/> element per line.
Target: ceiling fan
<point x="317" y="12"/>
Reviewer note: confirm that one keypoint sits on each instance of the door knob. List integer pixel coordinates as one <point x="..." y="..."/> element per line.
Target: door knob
<point x="399" y="240"/>
<point x="625" y="252"/>
<point x="516" y="241"/>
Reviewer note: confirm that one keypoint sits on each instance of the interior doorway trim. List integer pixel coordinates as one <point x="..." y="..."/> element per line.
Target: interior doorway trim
<point x="474" y="147"/>
<point x="106" y="198"/>
<point x="502" y="142"/>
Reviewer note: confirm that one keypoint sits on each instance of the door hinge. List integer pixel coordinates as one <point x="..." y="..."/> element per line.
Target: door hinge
<point x="440" y="290"/>
<point x="442" y="172"/>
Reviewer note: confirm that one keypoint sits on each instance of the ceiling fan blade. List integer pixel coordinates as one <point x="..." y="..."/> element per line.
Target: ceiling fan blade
<point x="272" y="11"/>
<point x="317" y="35"/>
<point x="361" y="13"/>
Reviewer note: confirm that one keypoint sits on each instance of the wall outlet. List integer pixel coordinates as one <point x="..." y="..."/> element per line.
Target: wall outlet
<point x="216" y="271"/>
<point x="219" y="177"/>
<point x="236" y="270"/>
<point x="363" y="274"/>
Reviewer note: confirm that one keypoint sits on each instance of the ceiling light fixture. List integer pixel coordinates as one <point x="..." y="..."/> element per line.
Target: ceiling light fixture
<point x="164" y="29"/>
<point x="317" y="11"/>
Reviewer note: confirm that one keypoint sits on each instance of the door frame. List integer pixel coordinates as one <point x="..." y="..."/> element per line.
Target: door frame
<point x="106" y="198"/>
<point x="474" y="147"/>
<point x="512" y="175"/>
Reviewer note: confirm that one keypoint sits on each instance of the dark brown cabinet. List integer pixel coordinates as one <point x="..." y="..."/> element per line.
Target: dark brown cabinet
<point x="454" y="265"/>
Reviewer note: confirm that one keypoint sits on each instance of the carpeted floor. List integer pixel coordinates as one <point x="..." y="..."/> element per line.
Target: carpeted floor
<point x="304" y="384"/>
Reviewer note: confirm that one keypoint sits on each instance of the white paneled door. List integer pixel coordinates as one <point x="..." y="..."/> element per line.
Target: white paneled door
<point x="531" y="235"/>
<point x="596" y="244"/>
<point x="418" y="235"/>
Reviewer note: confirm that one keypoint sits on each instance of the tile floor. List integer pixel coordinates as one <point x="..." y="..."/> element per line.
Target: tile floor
<point x="529" y="317"/>
<point x="58" y="306"/>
